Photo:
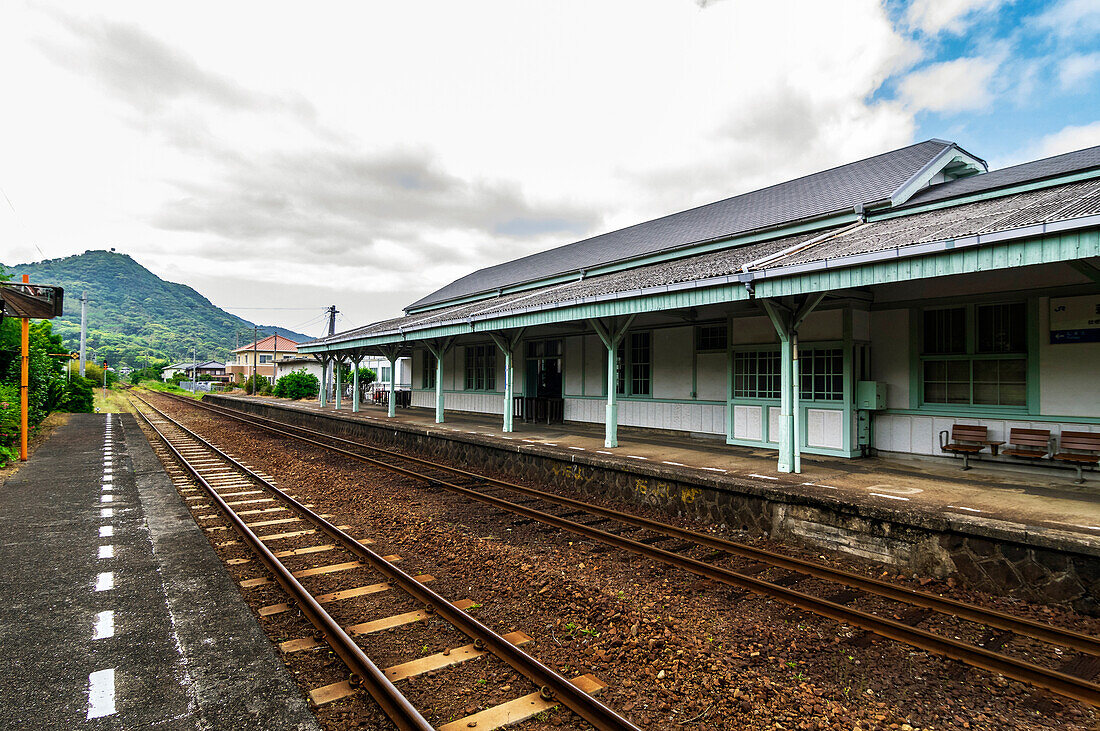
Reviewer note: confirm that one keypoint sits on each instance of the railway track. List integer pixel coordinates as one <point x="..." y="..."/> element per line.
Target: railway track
<point x="878" y="607"/>
<point x="249" y="503"/>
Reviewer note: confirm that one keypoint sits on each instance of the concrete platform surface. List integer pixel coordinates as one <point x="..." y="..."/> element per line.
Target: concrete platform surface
<point x="1023" y="500"/>
<point x="117" y="613"/>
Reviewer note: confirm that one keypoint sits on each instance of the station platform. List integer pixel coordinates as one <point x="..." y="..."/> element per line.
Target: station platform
<point x="1035" y="498"/>
<point x="118" y="614"/>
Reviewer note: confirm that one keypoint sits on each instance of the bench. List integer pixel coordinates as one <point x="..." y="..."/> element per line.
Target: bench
<point x="1086" y="450"/>
<point x="966" y="439"/>
<point x="1028" y="443"/>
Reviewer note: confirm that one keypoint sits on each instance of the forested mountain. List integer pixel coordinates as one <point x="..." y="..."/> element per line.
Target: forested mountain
<point x="133" y="312"/>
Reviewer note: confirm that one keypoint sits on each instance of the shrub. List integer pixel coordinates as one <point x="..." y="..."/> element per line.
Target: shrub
<point x="78" y="396"/>
<point x="297" y="385"/>
<point x="255" y="383"/>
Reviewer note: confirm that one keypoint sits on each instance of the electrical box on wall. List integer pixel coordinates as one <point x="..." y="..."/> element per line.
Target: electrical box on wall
<point x="871" y="395"/>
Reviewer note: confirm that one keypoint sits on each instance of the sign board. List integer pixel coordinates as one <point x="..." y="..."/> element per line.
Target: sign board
<point x="1075" y="319"/>
<point x="37" y="301"/>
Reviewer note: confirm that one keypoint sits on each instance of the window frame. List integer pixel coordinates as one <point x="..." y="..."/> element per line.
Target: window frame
<point x="711" y="348"/>
<point x="626" y="365"/>
<point x="971" y="355"/>
<point x="481" y="374"/>
<point x="806" y="353"/>
<point x="427" y="370"/>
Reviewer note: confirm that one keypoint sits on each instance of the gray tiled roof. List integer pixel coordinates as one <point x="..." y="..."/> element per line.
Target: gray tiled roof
<point x="1070" y="162"/>
<point x="830" y="191"/>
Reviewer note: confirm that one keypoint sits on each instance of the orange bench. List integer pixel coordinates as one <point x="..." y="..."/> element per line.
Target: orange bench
<point x="966" y="439"/>
<point x="1028" y="443"/>
<point x="1086" y="450"/>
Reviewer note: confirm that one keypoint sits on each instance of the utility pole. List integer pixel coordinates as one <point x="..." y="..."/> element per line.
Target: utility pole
<point x="255" y="357"/>
<point x="194" y="365"/>
<point x="83" y="327"/>
<point x="331" y="331"/>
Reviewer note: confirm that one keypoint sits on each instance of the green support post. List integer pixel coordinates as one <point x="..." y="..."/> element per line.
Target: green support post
<point x="391" y="403"/>
<point x="355" y="384"/>
<point x="439" y="349"/>
<point x="507" y="344"/>
<point x="611" y="333"/>
<point x="786" y="320"/>
<point x="336" y="379"/>
<point x="323" y="392"/>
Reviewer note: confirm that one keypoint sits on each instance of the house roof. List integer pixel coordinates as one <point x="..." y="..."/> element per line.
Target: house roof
<point x="272" y="342"/>
<point x="190" y="364"/>
<point x="844" y="188"/>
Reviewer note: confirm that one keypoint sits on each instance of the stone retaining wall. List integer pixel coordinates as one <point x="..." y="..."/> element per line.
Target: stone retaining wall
<point x="987" y="555"/>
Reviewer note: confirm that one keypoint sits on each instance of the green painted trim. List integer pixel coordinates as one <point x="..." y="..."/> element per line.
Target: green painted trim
<point x="1001" y="416"/>
<point x="987" y="195"/>
<point x="986" y="257"/>
<point x="644" y="400"/>
<point x="914" y="359"/>
<point x="683" y="252"/>
<point x="1033" y="355"/>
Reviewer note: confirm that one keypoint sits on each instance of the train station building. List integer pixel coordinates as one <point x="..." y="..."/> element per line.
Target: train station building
<point x="870" y="307"/>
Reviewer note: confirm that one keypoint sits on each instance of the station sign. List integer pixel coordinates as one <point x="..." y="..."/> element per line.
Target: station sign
<point x="1075" y="319"/>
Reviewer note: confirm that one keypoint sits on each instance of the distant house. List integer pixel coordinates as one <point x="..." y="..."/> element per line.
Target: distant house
<point x="213" y="368"/>
<point x="308" y="364"/>
<point x="260" y="357"/>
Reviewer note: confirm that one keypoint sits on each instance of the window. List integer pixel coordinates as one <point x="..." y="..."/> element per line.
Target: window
<point x="975" y="355"/>
<point x="710" y="337"/>
<point x="427" y="375"/>
<point x="756" y="374"/>
<point x="634" y="365"/>
<point x="265" y="358"/>
<point x="821" y="372"/>
<point x="384" y="374"/>
<point x="481" y="367"/>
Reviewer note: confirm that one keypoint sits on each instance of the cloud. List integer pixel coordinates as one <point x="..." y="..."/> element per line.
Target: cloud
<point x="1078" y="69"/>
<point x="954" y="16"/>
<point x="950" y="86"/>
<point x="1068" y="139"/>
<point x="1071" y="18"/>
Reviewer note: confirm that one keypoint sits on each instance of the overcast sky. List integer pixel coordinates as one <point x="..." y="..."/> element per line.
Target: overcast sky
<point x="294" y="155"/>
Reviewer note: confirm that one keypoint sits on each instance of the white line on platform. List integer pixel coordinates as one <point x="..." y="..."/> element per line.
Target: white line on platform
<point x="106" y="499"/>
<point x="549" y="444"/>
<point x="828" y="487"/>
<point x="600" y="451"/>
<point x="101" y="693"/>
<point x="106" y="551"/>
<point x="891" y="497"/>
<point x="106" y="531"/>
<point x="105" y="581"/>
<point x="674" y="464"/>
<point x="104" y="625"/>
<point x="106" y="512"/>
<point x="634" y="456"/>
<point x="108" y="478"/>
<point x="960" y="507"/>
<point x="763" y="477"/>
<point x="106" y="488"/>
<point x="579" y="449"/>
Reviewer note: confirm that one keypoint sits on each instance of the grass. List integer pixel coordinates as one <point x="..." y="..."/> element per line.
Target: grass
<point x="114" y="403"/>
<point x="169" y="388"/>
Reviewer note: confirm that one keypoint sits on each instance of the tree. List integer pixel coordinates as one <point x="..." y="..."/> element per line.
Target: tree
<point x="297" y="385"/>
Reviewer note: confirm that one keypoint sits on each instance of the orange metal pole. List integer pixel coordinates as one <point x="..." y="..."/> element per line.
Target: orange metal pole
<point x="24" y="384"/>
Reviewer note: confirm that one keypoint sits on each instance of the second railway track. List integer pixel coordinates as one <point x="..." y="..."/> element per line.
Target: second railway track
<point x="248" y="500"/>
<point x="701" y="554"/>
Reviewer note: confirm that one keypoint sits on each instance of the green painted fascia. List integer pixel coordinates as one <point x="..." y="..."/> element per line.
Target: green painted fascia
<point x="986" y="195"/>
<point x="671" y="255"/>
<point x="625" y="305"/>
<point x="987" y="257"/>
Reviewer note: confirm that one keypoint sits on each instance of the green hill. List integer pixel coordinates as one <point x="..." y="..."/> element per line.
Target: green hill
<point x="133" y="312"/>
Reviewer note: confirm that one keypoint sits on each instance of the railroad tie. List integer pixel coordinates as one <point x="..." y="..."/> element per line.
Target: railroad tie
<point x="519" y="709"/>
<point x="428" y="663"/>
